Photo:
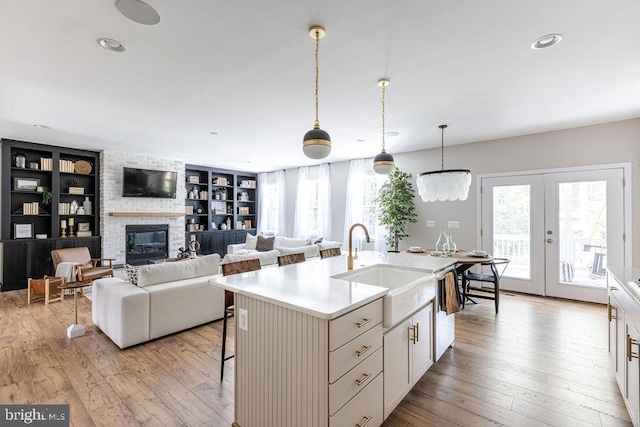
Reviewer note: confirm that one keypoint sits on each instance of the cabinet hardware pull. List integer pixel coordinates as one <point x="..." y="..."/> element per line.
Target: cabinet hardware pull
<point x="630" y="353"/>
<point x="610" y="309"/>
<point x="364" y="378"/>
<point x="363" y="350"/>
<point x="361" y="324"/>
<point x="413" y="334"/>
<point x="417" y="332"/>
<point x="366" y="420"/>
<point x="613" y="288"/>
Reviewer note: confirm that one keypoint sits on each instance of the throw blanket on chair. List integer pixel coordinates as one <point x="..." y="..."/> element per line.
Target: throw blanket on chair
<point x="67" y="270"/>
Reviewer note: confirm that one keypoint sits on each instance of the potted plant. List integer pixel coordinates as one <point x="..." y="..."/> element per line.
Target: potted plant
<point x="396" y="207"/>
<point x="46" y="195"/>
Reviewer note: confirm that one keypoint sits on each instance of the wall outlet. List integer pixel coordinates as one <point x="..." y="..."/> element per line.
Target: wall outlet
<point x="454" y="224"/>
<point x="243" y="319"/>
<point x="431" y="223"/>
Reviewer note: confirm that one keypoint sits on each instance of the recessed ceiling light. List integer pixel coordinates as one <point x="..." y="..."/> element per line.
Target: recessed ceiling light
<point x="391" y="134"/>
<point x="360" y="139"/>
<point x="138" y="11"/>
<point x="111" y="44"/>
<point x="546" y="41"/>
<point x="42" y="126"/>
<point x="214" y="133"/>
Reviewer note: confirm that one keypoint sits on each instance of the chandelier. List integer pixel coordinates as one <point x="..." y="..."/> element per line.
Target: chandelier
<point x="442" y="185"/>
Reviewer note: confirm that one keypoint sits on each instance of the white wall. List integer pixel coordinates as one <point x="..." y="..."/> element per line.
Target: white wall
<point x="112" y="229"/>
<point x="615" y="142"/>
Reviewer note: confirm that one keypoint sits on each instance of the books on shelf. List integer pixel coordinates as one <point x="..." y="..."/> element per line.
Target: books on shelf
<point x="188" y="210"/>
<point x="31" y="208"/>
<point x="248" y="183"/>
<point x="66" y="166"/>
<point x="83" y="233"/>
<point x="46" y="164"/>
<point x="220" y="180"/>
<point x="247" y="223"/>
<point x="243" y="210"/>
<point x="64" y="208"/>
<point x="193" y="179"/>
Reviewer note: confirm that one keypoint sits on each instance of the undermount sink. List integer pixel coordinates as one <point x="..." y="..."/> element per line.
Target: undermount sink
<point x="409" y="289"/>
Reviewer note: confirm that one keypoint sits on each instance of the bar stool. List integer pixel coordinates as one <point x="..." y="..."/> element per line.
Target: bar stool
<point x="229" y="309"/>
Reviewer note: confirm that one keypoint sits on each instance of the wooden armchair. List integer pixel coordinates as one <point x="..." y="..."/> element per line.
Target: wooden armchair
<point x="88" y="269"/>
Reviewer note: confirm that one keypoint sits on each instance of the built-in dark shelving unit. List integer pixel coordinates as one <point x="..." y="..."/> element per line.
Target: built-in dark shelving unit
<point x="216" y="197"/>
<point x="25" y="216"/>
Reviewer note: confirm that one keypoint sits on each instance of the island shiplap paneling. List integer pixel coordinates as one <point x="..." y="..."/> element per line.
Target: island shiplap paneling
<point x="295" y="390"/>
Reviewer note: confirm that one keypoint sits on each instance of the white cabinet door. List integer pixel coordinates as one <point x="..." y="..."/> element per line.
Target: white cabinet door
<point x="422" y="344"/>
<point x="632" y="383"/>
<point x="612" y="312"/>
<point x="397" y="365"/>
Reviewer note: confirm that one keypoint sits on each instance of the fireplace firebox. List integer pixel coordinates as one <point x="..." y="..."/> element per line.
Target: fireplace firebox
<point x="146" y="242"/>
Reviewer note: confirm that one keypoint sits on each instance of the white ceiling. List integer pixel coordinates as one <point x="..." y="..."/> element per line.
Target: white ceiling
<point x="245" y="68"/>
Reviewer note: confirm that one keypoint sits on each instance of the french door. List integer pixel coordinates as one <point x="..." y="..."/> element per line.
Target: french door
<point x="559" y="229"/>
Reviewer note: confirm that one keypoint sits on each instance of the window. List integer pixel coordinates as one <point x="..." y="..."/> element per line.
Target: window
<point x="362" y="189"/>
<point x="313" y="203"/>
<point x="272" y="205"/>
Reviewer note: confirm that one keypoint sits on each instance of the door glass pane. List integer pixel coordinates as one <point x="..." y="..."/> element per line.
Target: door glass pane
<point x="512" y="228"/>
<point x="582" y="232"/>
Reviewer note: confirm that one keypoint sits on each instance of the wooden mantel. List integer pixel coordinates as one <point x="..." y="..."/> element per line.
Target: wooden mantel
<point x="140" y="214"/>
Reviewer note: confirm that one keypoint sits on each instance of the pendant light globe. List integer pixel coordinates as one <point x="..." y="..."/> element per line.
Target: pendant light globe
<point x="316" y="143"/>
<point x="383" y="163"/>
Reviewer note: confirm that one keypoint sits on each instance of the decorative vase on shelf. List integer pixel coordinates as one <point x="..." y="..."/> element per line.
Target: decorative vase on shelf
<point x="88" y="206"/>
<point x="228" y="223"/>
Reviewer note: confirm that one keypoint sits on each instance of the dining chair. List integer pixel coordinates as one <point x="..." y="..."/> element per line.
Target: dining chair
<point x="497" y="267"/>
<point x="327" y="253"/>
<point x="290" y="259"/>
<point x="228" y="269"/>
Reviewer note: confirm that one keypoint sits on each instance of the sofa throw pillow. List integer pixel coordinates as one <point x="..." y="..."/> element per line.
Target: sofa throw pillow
<point x="318" y="240"/>
<point x="264" y="244"/>
<point x="251" y="242"/>
<point x="132" y="273"/>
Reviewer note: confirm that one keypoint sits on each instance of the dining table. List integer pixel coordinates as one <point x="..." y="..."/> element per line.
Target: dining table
<point x="464" y="261"/>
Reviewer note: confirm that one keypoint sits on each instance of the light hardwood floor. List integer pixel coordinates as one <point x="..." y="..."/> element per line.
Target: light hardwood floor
<point x="539" y="362"/>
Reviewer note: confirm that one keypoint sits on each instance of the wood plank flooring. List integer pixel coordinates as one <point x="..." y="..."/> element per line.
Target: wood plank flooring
<point x="539" y="362"/>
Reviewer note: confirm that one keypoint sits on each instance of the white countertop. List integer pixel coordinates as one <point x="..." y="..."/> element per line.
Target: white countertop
<point x="629" y="277"/>
<point x="308" y="287"/>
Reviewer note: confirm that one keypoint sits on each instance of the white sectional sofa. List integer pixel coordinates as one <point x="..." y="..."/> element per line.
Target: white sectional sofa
<point x="281" y="246"/>
<point x="168" y="298"/>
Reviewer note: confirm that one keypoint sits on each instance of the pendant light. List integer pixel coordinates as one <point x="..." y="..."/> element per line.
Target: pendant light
<point x="450" y="184"/>
<point x="383" y="162"/>
<point x="316" y="143"/>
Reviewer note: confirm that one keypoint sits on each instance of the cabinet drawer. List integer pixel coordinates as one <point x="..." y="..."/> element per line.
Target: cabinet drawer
<point x="365" y="405"/>
<point x="345" y="328"/>
<point x="354" y="352"/>
<point x="354" y="381"/>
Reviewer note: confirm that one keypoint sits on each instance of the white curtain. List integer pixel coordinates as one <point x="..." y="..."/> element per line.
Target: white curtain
<point x="359" y="169"/>
<point x="313" y="190"/>
<point x="353" y="206"/>
<point x="272" y="203"/>
<point x="301" y="223"/>
<point x="324" y="201"/>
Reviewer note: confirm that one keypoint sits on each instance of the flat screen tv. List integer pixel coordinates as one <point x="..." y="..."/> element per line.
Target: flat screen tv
<point x="149" y="183"/>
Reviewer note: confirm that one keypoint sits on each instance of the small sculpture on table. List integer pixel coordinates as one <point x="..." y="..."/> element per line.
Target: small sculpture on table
<point x="182" y="253"/>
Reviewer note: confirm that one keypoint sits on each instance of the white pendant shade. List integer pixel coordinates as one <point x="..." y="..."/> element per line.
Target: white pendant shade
<point x="444" y="185"/>
<point x="316" y="151"/>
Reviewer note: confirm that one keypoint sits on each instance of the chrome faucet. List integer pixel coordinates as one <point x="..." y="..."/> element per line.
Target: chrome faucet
<point x="350" y="258"/>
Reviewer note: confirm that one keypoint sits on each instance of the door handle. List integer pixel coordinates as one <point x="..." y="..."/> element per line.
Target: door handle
<point x="549" y="240"/>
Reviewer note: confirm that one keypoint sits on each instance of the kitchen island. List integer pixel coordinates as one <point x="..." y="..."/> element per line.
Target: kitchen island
<point x="309" y="339"/>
